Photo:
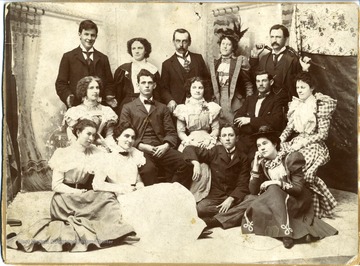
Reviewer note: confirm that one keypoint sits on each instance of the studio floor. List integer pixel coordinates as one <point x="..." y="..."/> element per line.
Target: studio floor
<point x="223" y="246"/>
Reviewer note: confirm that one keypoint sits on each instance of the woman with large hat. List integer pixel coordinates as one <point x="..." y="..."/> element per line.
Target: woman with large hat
<point x="284" y="207"/>
<point x="230" y="73"/>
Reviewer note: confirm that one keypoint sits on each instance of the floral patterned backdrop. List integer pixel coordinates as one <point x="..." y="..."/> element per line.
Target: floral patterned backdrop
<point x="330" y="29"/>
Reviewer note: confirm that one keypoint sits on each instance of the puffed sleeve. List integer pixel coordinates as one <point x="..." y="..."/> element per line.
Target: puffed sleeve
<point x="294" y="164"/>
<point x="326" y="107"/>
<point x="109" y="116"/>
<point x="72" y="116"/>
<point x="138" y="157"/>
<point x="214" y="110"/>
<point x="180" y="112"/>
<point x="60" y="160"/>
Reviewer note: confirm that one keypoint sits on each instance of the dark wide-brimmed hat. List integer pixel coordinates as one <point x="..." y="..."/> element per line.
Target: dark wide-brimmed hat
<point x="265" y="131"/>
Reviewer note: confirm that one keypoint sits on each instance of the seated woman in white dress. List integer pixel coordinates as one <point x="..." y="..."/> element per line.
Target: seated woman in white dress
<point x="198" y="125"/>
<point x="163" y="215"/>
<point x="309" y="119"/>
<point x="80" y="217"/>
<point x="88" y="89"/>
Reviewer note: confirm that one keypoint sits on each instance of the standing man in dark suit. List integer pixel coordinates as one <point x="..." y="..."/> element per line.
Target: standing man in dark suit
<point x="282" y="63"/>
<point x="81" y="62"/>
<point x="180" y="67"/>
<point x="156" y="134"/>
<point x="230" y="174"/>
<point x="262" y="108"/>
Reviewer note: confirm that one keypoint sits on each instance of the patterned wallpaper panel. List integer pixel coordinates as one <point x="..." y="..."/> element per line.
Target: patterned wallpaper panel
<point x="330" y="29"/>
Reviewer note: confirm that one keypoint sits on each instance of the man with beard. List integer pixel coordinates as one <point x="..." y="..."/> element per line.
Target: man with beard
<point x="178" y="68"/>
<point x="258" y="110"/>
<point x="282" y="63"/>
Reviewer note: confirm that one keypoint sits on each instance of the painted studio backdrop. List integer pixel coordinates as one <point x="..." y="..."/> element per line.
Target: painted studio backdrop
<point x="37" y="35"/>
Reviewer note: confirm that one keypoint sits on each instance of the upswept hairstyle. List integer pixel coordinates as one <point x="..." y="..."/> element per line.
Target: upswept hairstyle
<point x="120" y="128"/>
<point x="83" y="84"/>
<point x="81" y="125"/>
<point x="143" y="41"/>
<point x="234" y="42"/>
<point x="305" y="77"/>
<point x="190" y="81"/>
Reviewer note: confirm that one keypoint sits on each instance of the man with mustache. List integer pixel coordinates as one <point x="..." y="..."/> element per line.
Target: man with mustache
<point x="262" y="108"/>
<point x="81" y="62"/>
<point x="180" y="67"/>
<point x="282" y="63"/>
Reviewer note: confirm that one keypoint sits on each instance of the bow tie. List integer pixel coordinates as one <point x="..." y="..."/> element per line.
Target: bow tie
<point x="124" y="153"/>
<point x="262" y="95"/>
<point x="151" y="102"/>
<point x="225" y="60"/>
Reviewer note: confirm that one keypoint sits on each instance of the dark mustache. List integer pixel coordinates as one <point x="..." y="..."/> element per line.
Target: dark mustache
<point x="274" y="43"/>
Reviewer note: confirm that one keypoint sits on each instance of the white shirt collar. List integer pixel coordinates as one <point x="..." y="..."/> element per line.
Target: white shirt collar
<point x="186" y="54"/>
<point x="83" y="48"/>
<point x="281" y="50"/>
<point x="231" y="151"/>
<point x="142" y="98"/>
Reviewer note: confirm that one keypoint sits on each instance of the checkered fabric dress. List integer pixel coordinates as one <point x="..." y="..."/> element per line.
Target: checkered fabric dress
<point x="314" y="150"/>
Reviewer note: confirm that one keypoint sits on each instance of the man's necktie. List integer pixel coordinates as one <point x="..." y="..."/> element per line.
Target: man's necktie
<point x="186" y="63"/>
<point x="88" y="59"/>
<point x="124" y="153"/>
<point x="230" y="154"/>
<point x="149" y="102"/>
<point x="276" y="57"/>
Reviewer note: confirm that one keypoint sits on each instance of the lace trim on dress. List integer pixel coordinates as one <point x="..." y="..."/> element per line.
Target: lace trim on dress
<point x="271" y="164"/>
<point x="303" y="114"/>
<point x="193" y="106"/>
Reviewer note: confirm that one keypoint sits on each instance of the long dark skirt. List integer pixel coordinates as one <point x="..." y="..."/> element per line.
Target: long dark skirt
<point x="78" y="222"/>
<point x="277" y="214"/>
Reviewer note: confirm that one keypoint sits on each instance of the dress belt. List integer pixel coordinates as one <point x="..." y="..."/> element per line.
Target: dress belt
<point x="77" y="185"/>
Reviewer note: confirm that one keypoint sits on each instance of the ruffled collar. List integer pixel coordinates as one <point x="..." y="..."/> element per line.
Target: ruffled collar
<point x="303" y="114"/>
<point x="193" y="101"/>
<point x="271" y="164"/>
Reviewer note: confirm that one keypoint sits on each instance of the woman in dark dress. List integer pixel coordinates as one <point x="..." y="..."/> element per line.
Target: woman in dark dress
<point x="284" y="207"/>
<point x="80" y="217"/>
<point x="125" y="76"/>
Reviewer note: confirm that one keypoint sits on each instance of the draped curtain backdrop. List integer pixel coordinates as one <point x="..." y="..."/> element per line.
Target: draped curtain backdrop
<point x="328" y="34"/>
<point x="25" y="31"/>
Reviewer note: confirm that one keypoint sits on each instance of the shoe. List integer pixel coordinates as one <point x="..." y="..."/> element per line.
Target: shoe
<point x="308" y="239"/>
<point x="131" y="239"/>
<point x="205" y="233"/>
<point x="288" y="242"/>
<point x="211" y="222"/>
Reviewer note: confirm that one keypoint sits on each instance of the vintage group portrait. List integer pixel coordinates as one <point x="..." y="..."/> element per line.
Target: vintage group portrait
<point x="168" y="132"/>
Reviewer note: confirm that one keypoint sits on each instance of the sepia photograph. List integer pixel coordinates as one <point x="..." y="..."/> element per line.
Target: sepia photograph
<point x="180" y="132"/>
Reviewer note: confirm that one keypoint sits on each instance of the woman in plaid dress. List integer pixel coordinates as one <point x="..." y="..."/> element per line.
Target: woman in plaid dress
<point x="309" y="118"/>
